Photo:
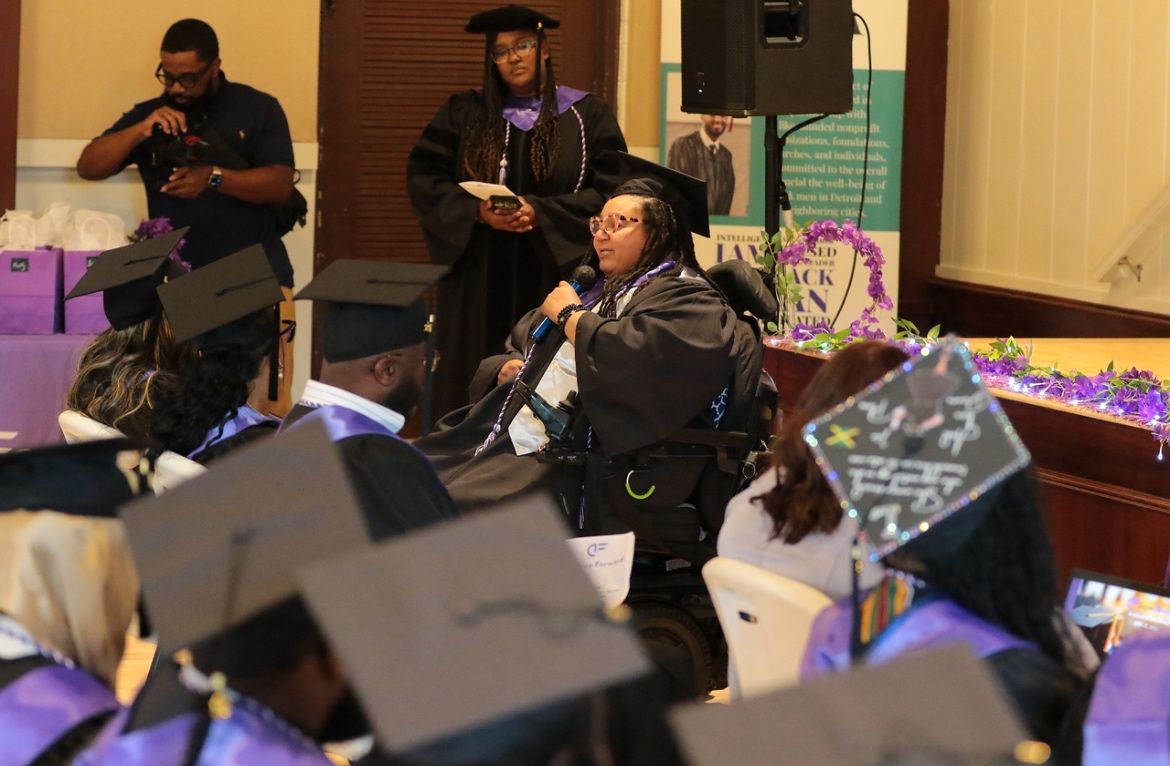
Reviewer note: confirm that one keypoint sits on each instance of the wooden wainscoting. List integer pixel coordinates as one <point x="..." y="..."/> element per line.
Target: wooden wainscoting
<point x="1107" y="495"/>
<point x="975" y="310"/>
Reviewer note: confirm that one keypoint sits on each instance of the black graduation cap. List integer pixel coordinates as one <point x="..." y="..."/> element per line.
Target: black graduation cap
<point x="224" y="546"/>
<point x="686" y="194"/>
<point x="216" y="295"/>
<point x="935" y="707"/>
<point x="923" y="452"/>
<point x="469" y="621"/>
<point x="509" y="17"/>
<point x="129" y="275"/>
<point x="83" y="479"/>
<point x="374" y="306"/>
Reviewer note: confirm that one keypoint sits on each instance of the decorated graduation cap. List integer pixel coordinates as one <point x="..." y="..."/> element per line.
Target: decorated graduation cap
<point x="434" y="650"/>
<point x="509" y="17"/>
<point x="686" y="194"/>
<point x="223" y="547"/>
<point x="920" y="454"/>
<point x="936" y="707"/>
<point x="87" y="479"/>
<point x="128" y="277"/>
<point x="373" y="306"/>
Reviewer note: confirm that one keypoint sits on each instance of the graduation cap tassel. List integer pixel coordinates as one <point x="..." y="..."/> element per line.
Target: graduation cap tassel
<point x="274" y="359"/>
<point x="429" y="376"/>
<point x="855" y="646"/>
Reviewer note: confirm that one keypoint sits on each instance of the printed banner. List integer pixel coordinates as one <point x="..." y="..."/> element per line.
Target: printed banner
<point x="823" y="166"/>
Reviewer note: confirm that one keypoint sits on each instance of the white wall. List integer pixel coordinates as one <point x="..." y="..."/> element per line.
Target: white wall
<point x="1058" y="143"/>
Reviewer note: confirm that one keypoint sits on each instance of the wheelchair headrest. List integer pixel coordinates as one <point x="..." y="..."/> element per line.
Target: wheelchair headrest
<point x="747" y="289"/>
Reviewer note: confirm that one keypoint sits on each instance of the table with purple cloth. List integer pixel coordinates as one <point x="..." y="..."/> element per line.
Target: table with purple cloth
<point x="35" y="374"/>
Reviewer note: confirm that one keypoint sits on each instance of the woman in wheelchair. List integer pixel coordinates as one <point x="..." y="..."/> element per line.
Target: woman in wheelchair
<point x="649" y="349"/>
<point x="788" y="520"/>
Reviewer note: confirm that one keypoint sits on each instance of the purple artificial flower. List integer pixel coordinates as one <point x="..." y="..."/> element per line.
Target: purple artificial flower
<point x="1153" y="406"/>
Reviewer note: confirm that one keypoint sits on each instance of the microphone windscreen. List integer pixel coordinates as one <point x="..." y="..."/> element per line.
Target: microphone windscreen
<point x="584" y="277"/>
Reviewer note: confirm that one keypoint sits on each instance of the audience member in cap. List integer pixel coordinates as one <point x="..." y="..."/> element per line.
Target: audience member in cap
<point x="984" y="576"/>
<point x="541" y="140"/>
<point x="218" y="557"/>
<point x="228" y="310"/>
<point x="374" y="364"/>
<point x="68" y="592"/>
<point x="215" y="408"/>
<point x="122" y="371"/>
<point x="788" y="520"/>
<point x="649" y="349"/>
<point x="511" y="661"/>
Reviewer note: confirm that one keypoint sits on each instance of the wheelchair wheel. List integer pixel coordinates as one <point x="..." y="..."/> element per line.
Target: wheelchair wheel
<point x="681" y="637"/>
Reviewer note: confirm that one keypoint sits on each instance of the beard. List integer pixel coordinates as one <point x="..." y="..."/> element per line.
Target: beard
<point x="194" y="106"/>
<point x="404" y="397"/>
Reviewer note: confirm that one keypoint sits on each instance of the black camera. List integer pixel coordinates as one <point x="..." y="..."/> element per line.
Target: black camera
<point x="175" y="151"/>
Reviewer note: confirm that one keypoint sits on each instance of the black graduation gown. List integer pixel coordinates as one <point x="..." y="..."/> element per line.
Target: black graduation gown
<point x="641" y="377"/>
<point x="497" y="276"/>
<point x="396" y="486"/>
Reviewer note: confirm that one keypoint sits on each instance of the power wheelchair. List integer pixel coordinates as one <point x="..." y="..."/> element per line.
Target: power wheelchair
<point x="673" y="494"/>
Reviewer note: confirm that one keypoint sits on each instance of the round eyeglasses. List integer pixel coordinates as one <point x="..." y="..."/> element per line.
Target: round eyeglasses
<point x="522" y="48"/>
<point x="610" y="224"/>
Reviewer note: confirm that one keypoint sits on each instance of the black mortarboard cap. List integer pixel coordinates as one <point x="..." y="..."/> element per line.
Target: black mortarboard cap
<point x="509" y="17"/>
<point x="83" y="479"/>
<point x="687" y="195"/>
<point x="433" y="649"/>
<point x="129" y="276"/>
<point x="374" y="306"/>
<point x="219" y="293"/>
<point x="922" y="444"/>
<point x="936" y="707"/>
<point x="224" y="546"/>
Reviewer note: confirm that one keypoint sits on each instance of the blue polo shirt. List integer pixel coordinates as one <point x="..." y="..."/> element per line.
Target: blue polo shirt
<point x="253" y="124"/>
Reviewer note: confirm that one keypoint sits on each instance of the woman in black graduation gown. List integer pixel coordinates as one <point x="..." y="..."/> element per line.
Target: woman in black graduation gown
<point x="653" y="347"/>
<point x="539" y="139"/>
<point x="988" y="573"/>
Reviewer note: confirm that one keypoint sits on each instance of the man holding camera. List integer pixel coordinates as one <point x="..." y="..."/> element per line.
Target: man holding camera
<point x="213" y="155"/>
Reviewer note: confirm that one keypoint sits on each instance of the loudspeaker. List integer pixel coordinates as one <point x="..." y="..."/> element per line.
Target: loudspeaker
<point x="744" y="57"/>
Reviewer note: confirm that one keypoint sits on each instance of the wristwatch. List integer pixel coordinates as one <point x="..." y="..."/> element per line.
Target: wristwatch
<point x="215" y="180"/>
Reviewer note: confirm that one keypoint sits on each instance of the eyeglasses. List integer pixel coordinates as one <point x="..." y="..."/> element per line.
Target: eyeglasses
<point x="612" y="223"/>
<point x="188" y="79"/>
<point x="522" y="48"/>
<point x="422" y="358"/>
<point x="288" y="329"/>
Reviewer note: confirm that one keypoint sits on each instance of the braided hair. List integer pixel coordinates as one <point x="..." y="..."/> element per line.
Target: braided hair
<point x="667" y="239"/>
<point x="1003" y="570"/>
<point x="485" y="146"/>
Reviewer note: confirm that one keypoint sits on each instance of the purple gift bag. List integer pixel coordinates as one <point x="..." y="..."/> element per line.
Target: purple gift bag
<point x="30" y="291"/>
<point x="85" y="314"/>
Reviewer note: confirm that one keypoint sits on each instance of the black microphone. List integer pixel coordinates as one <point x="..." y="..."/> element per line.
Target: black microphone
<point x="582" y="279"/>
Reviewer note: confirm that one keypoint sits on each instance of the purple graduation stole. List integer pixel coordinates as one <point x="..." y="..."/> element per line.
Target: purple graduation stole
<point x="522" y="112"/>
<point x="247" y="738"/>
<point x="45" y="704"/>
<point x="1129" y="715"/>
<point x="925" y="625"/>
<point x="342" y="422"/>
<point x="245" y="417"/>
